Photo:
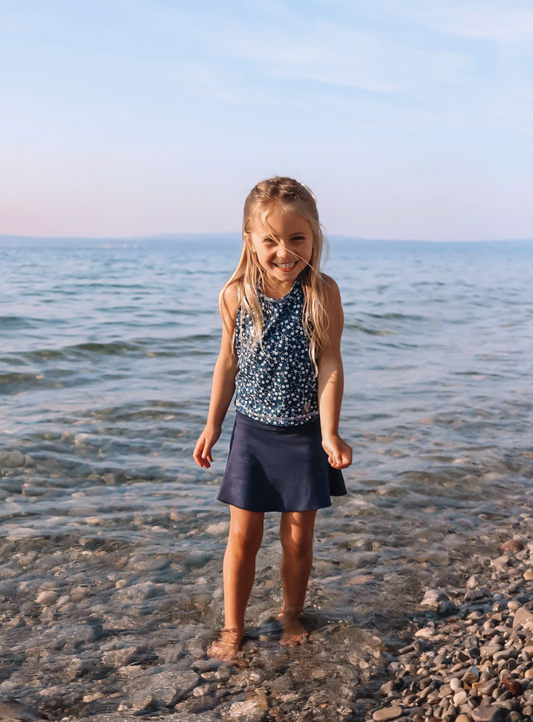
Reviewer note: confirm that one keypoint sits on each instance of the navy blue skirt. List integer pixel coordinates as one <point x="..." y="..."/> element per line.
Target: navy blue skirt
<point x="278" y="468"/>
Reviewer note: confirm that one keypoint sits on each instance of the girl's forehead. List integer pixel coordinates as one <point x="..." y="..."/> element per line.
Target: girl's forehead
<point x="278" y="220"/>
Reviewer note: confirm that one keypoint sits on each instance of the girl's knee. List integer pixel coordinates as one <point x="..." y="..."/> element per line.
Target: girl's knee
<point x="299" y="546"/>
<point x="246" y="538"/>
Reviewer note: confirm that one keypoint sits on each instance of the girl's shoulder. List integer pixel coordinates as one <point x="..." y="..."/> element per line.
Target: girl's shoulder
<point x="229" y="301"/>
<point x="332" y="294"/>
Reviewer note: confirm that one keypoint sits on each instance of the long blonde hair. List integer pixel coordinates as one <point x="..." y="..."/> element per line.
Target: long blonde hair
<point x="285" y="194"/>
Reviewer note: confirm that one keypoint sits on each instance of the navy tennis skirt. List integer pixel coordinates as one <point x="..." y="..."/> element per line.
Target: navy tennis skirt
<point x="278" y="468"/>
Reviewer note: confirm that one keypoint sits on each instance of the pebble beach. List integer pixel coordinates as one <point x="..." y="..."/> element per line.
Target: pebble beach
<point x="111" y="541"/>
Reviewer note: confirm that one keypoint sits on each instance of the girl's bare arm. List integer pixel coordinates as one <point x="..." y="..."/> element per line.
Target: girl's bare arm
<point x="331" y="382"/>
<point x="223" y="385"/>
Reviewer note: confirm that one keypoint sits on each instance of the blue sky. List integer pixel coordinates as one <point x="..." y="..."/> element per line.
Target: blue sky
<point x="409" y="120"/>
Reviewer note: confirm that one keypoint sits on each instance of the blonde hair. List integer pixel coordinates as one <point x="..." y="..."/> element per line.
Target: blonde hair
<point x="284" y="194"/>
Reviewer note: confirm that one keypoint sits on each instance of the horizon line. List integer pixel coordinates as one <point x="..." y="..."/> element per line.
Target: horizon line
<point x="230" y="235"/>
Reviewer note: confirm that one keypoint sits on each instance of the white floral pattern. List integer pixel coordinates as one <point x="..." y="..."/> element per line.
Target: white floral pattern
<point x="276" y="384"/>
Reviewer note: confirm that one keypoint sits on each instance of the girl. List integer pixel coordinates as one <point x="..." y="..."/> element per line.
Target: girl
<point x="282" y="323"/>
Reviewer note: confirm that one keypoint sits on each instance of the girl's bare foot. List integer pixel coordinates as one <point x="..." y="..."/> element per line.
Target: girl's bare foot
<point x="293" y="632"/>
<point x="227" y="645"/>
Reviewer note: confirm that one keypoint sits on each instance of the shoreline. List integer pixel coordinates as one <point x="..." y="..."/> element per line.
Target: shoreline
<point x="446" y="657"/>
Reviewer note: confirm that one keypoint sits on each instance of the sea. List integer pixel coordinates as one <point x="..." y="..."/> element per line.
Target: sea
<point x="106" y="357"/>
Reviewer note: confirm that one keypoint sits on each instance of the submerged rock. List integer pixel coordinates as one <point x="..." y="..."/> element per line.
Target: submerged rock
<point x="11" y="710"/>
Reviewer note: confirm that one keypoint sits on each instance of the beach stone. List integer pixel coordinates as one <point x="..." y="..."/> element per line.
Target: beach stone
<point x="154" y="564"/>
<point x="487" y="688"/>
<point x="460" y="697"/>
<point x="528" y="575"/>
<point x="523" y="618"/>
<point x="487" y="713"/>
<point x="462" y="718"/>
<point x="46" y="597"/>
<point x="220" y="529"/>
<point x="425" y="633"/>
<point x="512" y="545"/>
<point x="140" y="592"/>
<point x="251" y="710"/>
<point x="110" y="717"/>
<point x="168" y="687"/>
<point x="12" y="459"/>
<point x="433" y="597"/>
<point x="198" y="559"/>
<point x="471" y="675"/>
<point x="387" y="713"/>
<point x="141" y="701"/>
<point x="501" y="563"/>
<point x="11" y="710"/>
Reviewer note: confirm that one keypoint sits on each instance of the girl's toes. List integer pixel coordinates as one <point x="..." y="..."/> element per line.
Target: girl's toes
<point x="225" y="648"/>
<point x="293" y="632"/>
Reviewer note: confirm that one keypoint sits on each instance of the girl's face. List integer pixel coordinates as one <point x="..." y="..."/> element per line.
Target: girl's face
<point x="284" y="248"/>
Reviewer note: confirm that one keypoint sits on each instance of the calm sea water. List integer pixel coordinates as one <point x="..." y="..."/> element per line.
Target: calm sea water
<point x="106" y="358"/>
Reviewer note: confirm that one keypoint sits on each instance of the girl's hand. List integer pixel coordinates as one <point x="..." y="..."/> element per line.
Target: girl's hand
<point x="338" y="451"/>
<point x="202" y="450"/>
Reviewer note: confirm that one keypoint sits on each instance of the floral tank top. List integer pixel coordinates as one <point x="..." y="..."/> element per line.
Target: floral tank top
<point x="276" y="384"/>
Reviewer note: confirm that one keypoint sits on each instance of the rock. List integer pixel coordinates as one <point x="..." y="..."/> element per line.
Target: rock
<point x="471" y="675"/>
<point x="120" y="657"/>
<point x="433" y="597"/>
<point x="489" y="650"/>
<point x="513" y="685"/>
<point x="500" y="563"/>
<point x="512" y="545"/>
<point x="251" y="710"/>
<point x="220" y="529"/>
<point x="166" y="688"/>
<point x="387" y="713"/>
<point x="487" y="713"/>
<point x="140" y="592"/>
<point x="523" y="618"/>
<point x="487" y="688"/>
<point x="198" y="559"/>
<point x="11" y="710"/>
<point x="142" y="702"/>
<point x="47" y="597"/>
<point x="425" y="633"/>
<point x="93" y="697"/>
<point x="479" y="593"/>
<point x="528" y="575"/>
<point x="460" y="697"/>
<point x="462" y="718"/>
<point x="12" y="459"/>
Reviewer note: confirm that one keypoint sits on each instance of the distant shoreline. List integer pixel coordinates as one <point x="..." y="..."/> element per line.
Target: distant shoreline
<point x="115" y="243"/>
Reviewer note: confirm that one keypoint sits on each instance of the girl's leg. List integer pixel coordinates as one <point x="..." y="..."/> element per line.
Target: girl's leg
<point x="244" y="540"/>
<point x="296" y="535"/>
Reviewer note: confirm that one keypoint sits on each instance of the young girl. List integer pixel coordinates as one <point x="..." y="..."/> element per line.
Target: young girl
<point x="282" y="323"/>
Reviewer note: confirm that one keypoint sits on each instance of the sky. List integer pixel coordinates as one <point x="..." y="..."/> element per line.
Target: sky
<point x="409" y="120"/>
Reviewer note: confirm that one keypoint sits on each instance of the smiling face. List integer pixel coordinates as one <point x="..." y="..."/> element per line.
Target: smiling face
<point x="283" y="246"/>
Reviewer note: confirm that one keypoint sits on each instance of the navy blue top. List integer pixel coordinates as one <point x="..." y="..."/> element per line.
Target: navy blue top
<point x="276" y="384"/>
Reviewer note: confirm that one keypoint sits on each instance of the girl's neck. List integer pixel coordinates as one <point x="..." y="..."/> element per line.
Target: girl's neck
<point x="277" y="289"/>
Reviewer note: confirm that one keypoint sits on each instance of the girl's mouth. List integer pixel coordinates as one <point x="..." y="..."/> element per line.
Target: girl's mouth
<point x="286" y="266"/>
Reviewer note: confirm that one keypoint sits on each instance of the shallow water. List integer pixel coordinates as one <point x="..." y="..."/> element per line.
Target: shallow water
<point x="106" y="358"/>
